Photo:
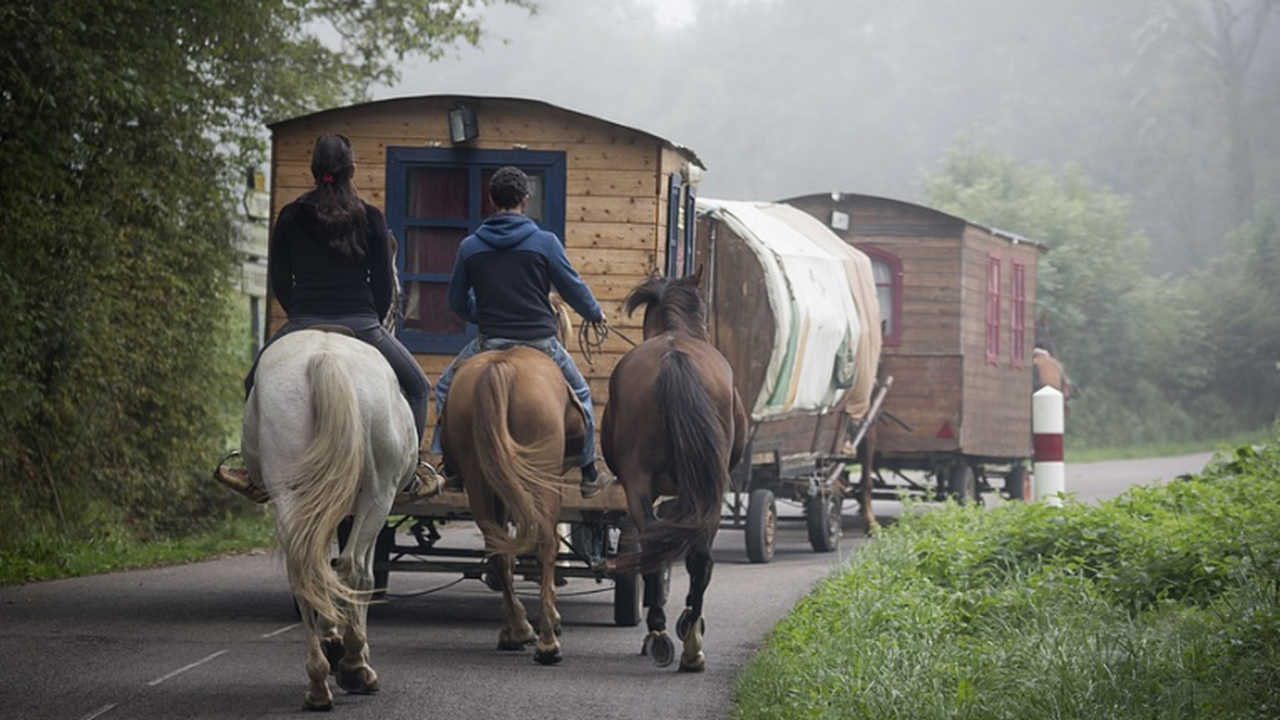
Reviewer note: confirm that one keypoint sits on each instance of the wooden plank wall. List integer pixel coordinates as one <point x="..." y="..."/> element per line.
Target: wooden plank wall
<point x="615" y="209"/>
<point x="940" y="371"/>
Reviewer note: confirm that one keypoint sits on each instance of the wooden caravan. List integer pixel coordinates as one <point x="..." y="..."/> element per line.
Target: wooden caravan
<point x="615" y="195"/>
<point x="601" y="187"/>
<point x="793" y="308"/>
<point x="958" y="303"/>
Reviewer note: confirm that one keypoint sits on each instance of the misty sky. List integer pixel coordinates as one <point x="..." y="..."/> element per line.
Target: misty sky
<point x="781" y="98"/>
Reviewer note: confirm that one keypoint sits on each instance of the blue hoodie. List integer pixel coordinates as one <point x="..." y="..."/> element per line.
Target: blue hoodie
<point x="504" y="274"/>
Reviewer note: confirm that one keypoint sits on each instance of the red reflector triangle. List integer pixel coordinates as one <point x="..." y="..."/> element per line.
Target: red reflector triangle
<point x="945" y="432"/>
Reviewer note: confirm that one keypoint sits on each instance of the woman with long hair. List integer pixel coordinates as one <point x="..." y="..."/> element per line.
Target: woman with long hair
<point x="332" y="264"/>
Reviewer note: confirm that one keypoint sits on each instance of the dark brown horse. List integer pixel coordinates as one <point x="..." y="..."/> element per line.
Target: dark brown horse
<point x="507" y="426"/>
<point x="674" y="427"/>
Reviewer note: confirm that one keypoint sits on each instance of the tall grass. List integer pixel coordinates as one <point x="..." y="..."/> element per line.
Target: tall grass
<point x="1162" y="603"/>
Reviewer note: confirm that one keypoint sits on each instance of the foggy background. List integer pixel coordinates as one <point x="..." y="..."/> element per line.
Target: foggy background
<point x="781" y="98"/>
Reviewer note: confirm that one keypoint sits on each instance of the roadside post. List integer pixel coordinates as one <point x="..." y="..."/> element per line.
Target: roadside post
<point x="1047" y="423"/>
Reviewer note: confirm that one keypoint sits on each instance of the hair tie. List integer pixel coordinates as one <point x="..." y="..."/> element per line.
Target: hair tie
<point x="327" y="178"/>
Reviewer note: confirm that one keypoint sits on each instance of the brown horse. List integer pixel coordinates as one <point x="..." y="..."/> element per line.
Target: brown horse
<point x="507" y="426"/>
<point x="674" y="426"/>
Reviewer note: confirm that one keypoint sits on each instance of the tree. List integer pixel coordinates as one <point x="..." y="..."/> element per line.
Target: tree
<point x="123" y="126"/>
<point x="1131" y="341"/>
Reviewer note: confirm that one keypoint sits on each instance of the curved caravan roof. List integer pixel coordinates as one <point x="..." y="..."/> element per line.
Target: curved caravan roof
<point x="474" y="100"/>
<point x="822" y="295"/>
<point x="944" y="219"/>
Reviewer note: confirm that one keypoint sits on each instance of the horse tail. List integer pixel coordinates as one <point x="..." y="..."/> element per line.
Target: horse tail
<point x="512" y="471"/>
<point x="322" y="488"/>
<point x="699" y="449"/>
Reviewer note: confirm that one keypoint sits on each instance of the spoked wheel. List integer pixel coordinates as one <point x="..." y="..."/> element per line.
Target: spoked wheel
<point x="826" y="526"/>
<point x="762" y="525"/>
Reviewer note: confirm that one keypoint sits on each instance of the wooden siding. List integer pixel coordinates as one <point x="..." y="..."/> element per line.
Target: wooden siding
<point x="615" y="177"/>
<point x="940" y="370"/>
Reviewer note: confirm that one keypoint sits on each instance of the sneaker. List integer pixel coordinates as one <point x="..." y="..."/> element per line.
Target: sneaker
<point x="592" y="483"/>
<point x="238" y="479"/>
<point x="426" y="482"/>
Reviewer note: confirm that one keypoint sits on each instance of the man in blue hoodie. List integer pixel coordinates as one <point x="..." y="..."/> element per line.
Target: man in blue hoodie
<point x="501" y="281"/>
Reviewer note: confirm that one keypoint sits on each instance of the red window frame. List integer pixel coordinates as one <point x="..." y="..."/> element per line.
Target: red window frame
<point x="1018" y="314"/>
<point x="993" y="308"/>
<point x="891" y="317"/>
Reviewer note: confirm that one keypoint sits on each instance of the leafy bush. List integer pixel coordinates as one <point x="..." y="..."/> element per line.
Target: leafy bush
<point x="1162" y="603"/>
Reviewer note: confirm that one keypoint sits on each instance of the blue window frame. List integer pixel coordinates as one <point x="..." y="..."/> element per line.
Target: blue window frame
<point x="681" y="200"/>
<point x="435" y="198"/>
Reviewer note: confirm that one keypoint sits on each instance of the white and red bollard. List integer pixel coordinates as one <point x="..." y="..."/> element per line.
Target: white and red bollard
<point x="1048" y="420"/>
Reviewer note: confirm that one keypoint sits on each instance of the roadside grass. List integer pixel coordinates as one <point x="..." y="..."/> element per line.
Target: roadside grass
<point x="1165" y="449"/>
<point x="52" y="556"/>
<point x="1161" y="603"/>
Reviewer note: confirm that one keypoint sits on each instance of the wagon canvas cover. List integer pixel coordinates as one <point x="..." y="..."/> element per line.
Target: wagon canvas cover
<point x="821" y="291"/>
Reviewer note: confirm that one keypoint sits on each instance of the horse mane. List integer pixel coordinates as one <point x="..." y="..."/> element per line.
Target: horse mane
<point x="677" y="301"/>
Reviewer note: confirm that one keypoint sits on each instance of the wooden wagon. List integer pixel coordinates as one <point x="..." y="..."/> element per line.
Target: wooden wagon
<point x="794" y="310"/>
<point x="615" y="195"/>
<point x="958" y="301"/>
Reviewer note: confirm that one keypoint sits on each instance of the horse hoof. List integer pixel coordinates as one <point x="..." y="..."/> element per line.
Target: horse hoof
<point x="511" y="645"/>
<point x="697" y="665"/>
<point x="333" y="652"/>
<point x="661" y="648"/>
<point x="317" y="704"/>
<point x="548" y="657"/>
<point x="358" y="681"/>
<point x="682" y="625"/>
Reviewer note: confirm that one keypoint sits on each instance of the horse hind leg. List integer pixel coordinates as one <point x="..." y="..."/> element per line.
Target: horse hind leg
<point x="691" y="626"/>
<point x="549" y="626"/>
<point x="353" y="672"/>
<point x="657" y="643"/>
<point x="516" y="630"/>
<point x="318" y="695"/>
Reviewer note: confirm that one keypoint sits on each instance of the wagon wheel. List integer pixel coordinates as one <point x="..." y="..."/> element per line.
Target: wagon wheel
<point x="762" y="525"/>
<point x="1018" y="484"/>
<point x="962" y="486"/>
<point x="826" y="526"/>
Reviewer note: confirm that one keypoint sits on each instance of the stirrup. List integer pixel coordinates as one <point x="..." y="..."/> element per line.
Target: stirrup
<point x="238" y="479"/>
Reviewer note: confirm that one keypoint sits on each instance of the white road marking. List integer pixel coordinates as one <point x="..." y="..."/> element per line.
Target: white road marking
<point x="99" y="712"/>
<point x="181" y="670"/>
<point x="281" y="630"/>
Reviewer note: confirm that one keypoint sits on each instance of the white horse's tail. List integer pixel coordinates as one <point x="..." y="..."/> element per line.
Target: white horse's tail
<point x="322" y="487"/>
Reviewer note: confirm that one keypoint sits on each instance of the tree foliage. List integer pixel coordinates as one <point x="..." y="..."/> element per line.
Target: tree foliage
<point x="124" y="126"/>
<point x="1134" y="343"/>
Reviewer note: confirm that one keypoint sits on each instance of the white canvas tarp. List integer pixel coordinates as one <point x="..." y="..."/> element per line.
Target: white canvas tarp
<point x="822" y="294"/>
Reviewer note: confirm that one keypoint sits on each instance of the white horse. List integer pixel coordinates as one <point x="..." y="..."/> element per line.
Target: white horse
<point x="328" y="434"/>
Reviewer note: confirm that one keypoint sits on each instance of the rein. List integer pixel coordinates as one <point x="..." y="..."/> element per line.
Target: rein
<point x="591" y="337"/>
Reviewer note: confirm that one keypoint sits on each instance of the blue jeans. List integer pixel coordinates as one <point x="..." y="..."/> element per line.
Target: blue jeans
<point x="555" y="351"/>
<point x="413" y="382"/>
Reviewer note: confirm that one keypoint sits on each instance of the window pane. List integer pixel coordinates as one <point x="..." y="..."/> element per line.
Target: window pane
<point x="427" y="309"/>
<point x="437" y="193"/>
<point x="431" y="250"/>
<point x="884" y="294"/>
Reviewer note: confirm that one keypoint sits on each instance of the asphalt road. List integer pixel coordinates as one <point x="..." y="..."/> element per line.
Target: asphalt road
<point x="219" y="639"/>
